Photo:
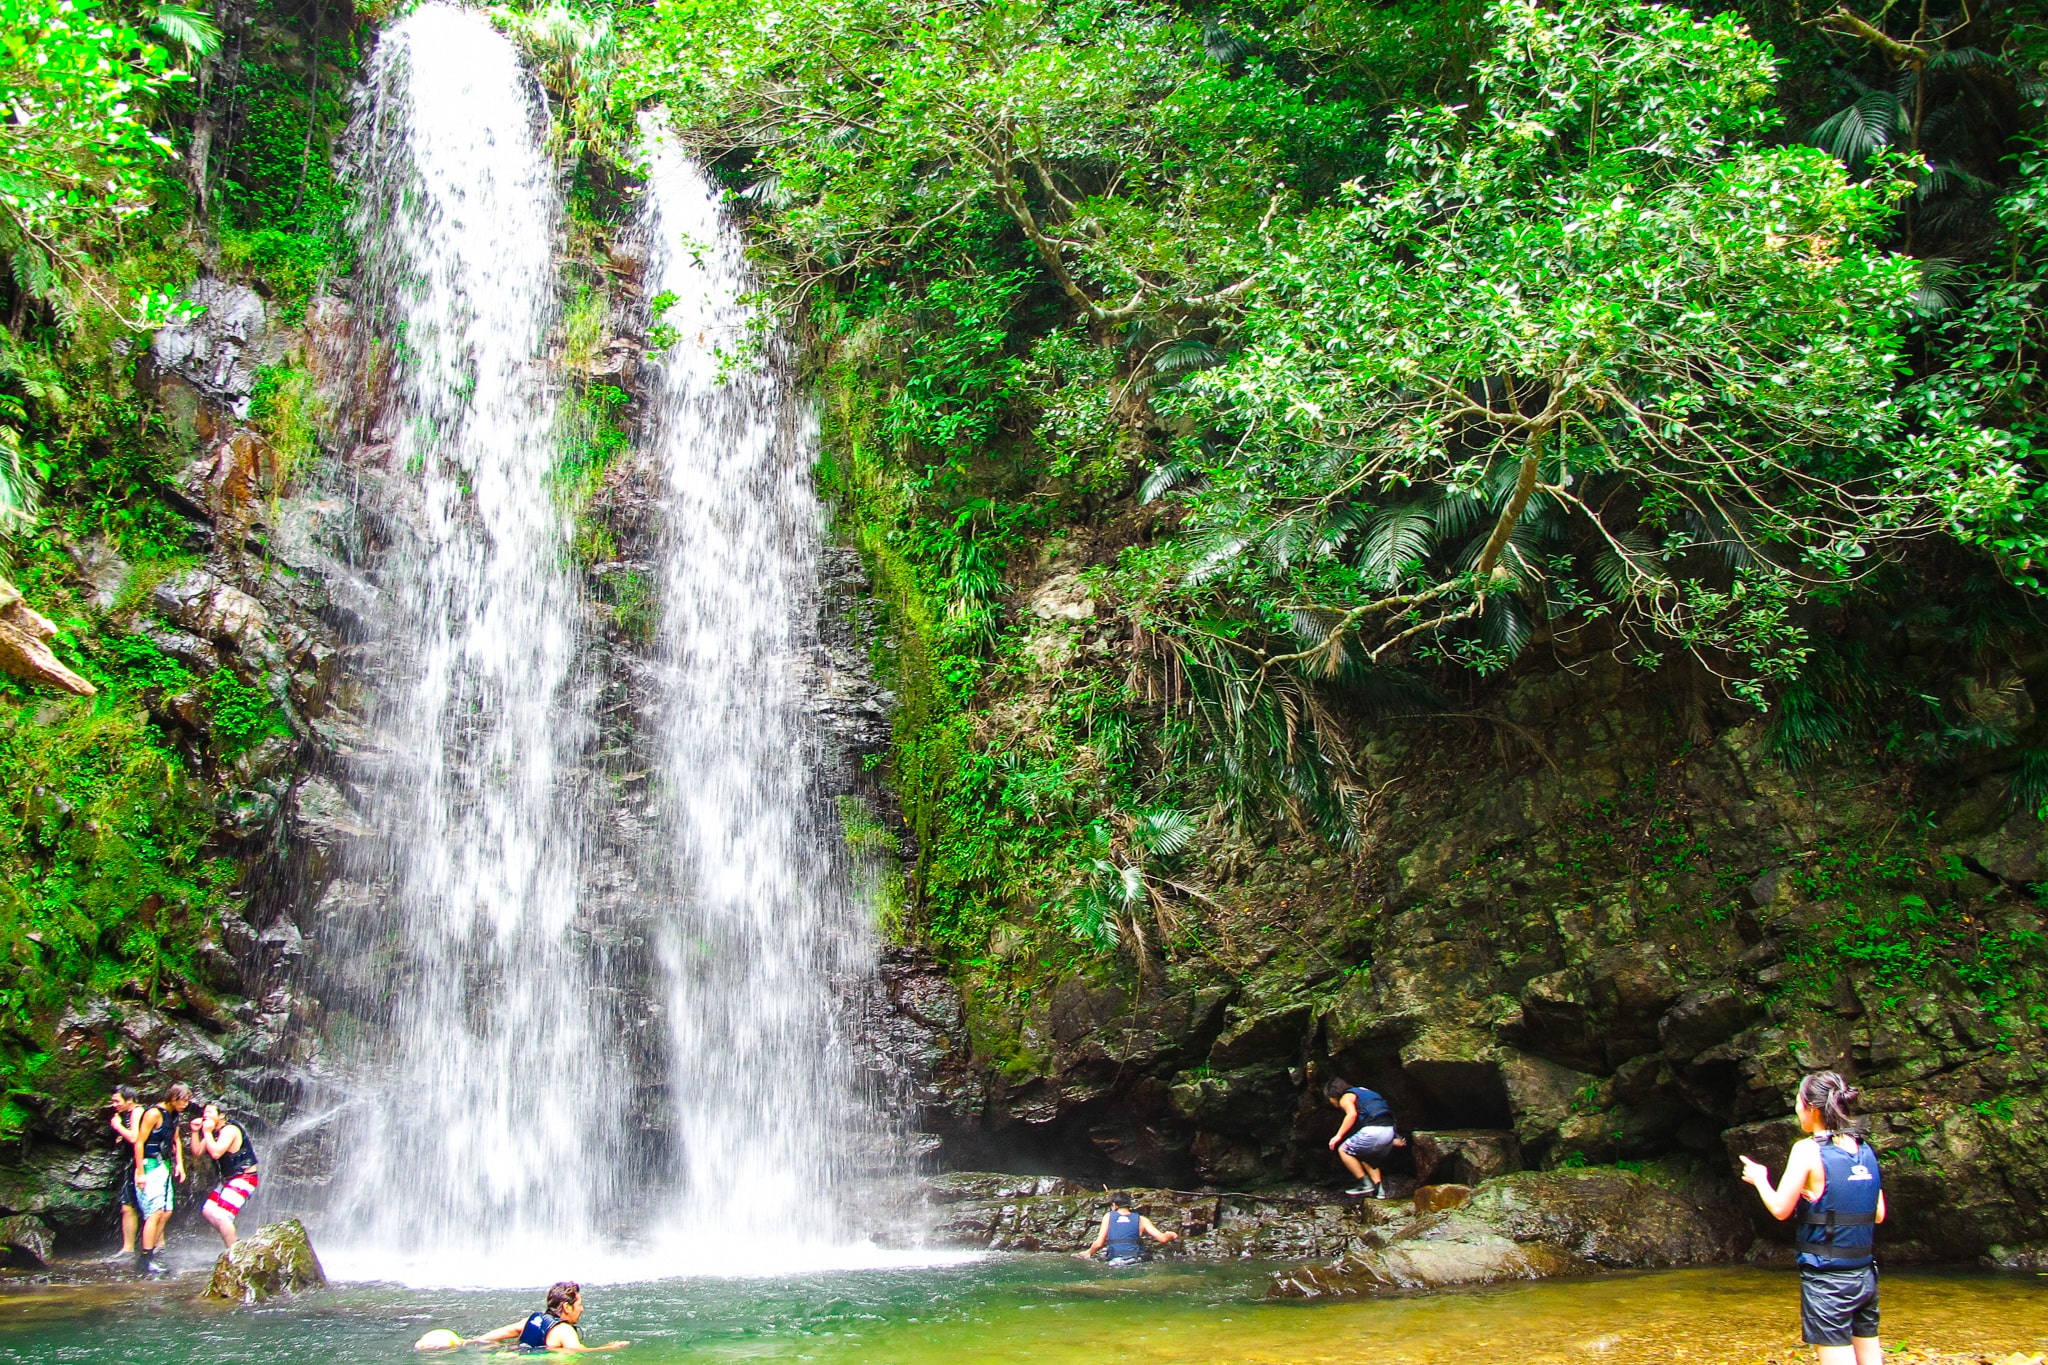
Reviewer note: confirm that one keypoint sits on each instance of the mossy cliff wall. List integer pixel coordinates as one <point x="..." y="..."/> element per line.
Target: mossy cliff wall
<point x="1605" y="912"/>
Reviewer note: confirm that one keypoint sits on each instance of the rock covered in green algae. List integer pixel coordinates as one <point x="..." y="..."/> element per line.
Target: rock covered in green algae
<point x="1526" y="1226"/>
<point x="277" y="1259"/>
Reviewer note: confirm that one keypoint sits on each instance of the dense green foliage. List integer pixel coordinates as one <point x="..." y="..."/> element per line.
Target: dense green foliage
<point x="113" y="857"/>
<point x="1345" y="354"/>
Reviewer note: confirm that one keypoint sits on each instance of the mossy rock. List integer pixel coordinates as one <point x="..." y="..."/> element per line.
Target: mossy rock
<point x="277" y="1259"/>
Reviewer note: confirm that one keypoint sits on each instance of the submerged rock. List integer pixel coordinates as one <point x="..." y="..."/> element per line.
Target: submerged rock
<point x="277" y="1259"/>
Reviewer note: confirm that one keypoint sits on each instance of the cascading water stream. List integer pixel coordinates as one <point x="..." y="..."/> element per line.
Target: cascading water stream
<point x="492" y="1085"/>
<point x="768" y="1116"/>
<point x="534" y="1096"/>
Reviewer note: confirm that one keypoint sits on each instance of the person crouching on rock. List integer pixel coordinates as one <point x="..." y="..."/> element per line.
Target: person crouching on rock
<point x="1122" y="1235"/>
<point x="227" y="1143"/>
<point x="1832" y="1179"/>
<point x="1370" y="1122"/>
<point x="551" y="1329"/>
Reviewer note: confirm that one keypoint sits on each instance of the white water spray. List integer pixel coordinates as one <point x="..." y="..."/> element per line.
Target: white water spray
<point x="769" y="1118"/>
<point x="535" y="1097"/>
<point x="495" y="1092"/>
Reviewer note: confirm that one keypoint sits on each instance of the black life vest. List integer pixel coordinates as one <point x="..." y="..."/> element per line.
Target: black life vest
<point x="159" y="1142"/>
<point x="1838" y="1231"/>
<point x="535" y="1334"/>
<point x="1125" y="1242"/>
<point x="242" y="1159"/>
<point x="1373" y="1111"/>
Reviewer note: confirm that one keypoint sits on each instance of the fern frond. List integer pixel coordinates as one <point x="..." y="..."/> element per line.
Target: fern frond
<point x="1858" y="131"/>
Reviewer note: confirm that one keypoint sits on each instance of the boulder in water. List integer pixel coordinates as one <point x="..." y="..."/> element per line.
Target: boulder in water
<point x="1529" y="1225"/>
<point x="25" y="1238"/>
<point x="277" y="1259"/>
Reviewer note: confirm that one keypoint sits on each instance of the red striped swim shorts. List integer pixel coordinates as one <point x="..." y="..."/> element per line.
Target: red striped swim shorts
<point x="234" y="1193"/>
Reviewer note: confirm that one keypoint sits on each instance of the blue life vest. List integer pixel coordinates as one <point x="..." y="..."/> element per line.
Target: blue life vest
<point x="1838" y="1231"/>
<point x="535" y="1333"/>
<point x="1372" y="1110"/>
<point x="1125" y="1243"/>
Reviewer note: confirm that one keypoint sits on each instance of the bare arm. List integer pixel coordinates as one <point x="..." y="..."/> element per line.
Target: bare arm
<point x="124" y="1125"/>
<point x="1145" y="1226"/>
<point x="217" y="1144"/>
<point x="1349" y="1104"/>
<point x="143" y="1128"/>
<point x="1800" y="1169"/>
<point x="566" y="1338"/>
<point x="1101" y="1240"/>
<point x="505" y="1333"/>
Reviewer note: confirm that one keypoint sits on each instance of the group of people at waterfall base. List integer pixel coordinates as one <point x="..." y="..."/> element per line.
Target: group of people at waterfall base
<point x="1831" y="1182"/>
<point x="151" y="1142"/>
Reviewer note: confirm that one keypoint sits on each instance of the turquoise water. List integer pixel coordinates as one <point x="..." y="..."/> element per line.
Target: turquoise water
<point x="1040" y="1309"/>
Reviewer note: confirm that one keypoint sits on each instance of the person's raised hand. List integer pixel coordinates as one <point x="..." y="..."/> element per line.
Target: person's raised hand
<point x="1755" y="1172"/>
<point x="1333" y="1144"/>
<point x="1400" y="1142"/>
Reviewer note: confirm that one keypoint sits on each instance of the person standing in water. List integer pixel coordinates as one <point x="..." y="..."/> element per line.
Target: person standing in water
<point x="1832" y="1180"/>
<point x="127" y="1113"/>
<point x="1370" y="1122"/>
<point x="158" y="1156"/>
<point x="227" y="1143"/>
<point x="551" y="1329"/>
<point x="1123" y="1233"/>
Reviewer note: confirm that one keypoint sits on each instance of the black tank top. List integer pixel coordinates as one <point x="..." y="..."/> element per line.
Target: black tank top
<point x="235" y="1163"/>
<point x="159" y="1142"/>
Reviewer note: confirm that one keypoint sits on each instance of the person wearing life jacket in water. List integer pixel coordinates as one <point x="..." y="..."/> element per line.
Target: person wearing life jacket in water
<point x="551" y="1329"/>
<point x="1370" y="1122"/>
<point x="227" y="1143"/>
<point x="1833" y="1183"/>
<point x="1121" y="1238"/>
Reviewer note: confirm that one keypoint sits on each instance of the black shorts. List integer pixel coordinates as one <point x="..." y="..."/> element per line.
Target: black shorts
<point x="129" y="1199"/>
<point x="1835" y="1305"/>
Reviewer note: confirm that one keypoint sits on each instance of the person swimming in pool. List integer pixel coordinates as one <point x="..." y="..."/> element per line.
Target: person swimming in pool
<point x="551" y="1329"/>
<point x="1123" y="1232"/>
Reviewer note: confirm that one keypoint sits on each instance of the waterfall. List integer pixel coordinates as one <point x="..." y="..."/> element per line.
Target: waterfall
<point x="768" y="1117"/>
<point x="495" y="1097"/>
<point x="591" y="1027"/>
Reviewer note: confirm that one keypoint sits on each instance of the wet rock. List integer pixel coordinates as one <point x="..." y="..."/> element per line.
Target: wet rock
<point x="199" y="601"/>
<point x="1046" y="1213"/>
<point x="25" y="653"/>
<point x="1440" y="1251"/>
<point x="2030" y="1256"/>
<point x="218" y="352"/>
<point x="1464" y="1156"/>
<point x="1437" y="1198"/>
<point x="27" y="1240"/>
<point x="1612" y="1218"/>
<point x="1527" y="1225"/>
<point x="277" y="1259"/>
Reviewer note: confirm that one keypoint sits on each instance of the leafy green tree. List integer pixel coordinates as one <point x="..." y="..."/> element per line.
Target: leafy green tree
<point x="78" y="155"/>
<point x="1595" y="317"/>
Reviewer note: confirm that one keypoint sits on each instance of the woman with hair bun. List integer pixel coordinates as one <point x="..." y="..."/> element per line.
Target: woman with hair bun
<point x="1833" y="1182"/>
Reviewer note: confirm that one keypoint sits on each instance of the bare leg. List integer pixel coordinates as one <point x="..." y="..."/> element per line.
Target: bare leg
<point x="1868" y="1350"/>
<point x="153" y="1231"/>
<point x="1836" y="1355"/>
<point x="1352" y="1164"/>
<point x="1373" y="1174"/>
<point x="131" y="1228"/>
<point x="223" y="1222"/>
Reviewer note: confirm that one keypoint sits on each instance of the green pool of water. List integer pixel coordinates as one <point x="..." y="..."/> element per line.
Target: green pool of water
<point x="1039" y="1309"/>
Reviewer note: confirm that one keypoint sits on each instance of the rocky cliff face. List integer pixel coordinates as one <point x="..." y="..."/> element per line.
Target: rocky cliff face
<point x="258" y="643"/>
<point x="1591" y="925"/>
